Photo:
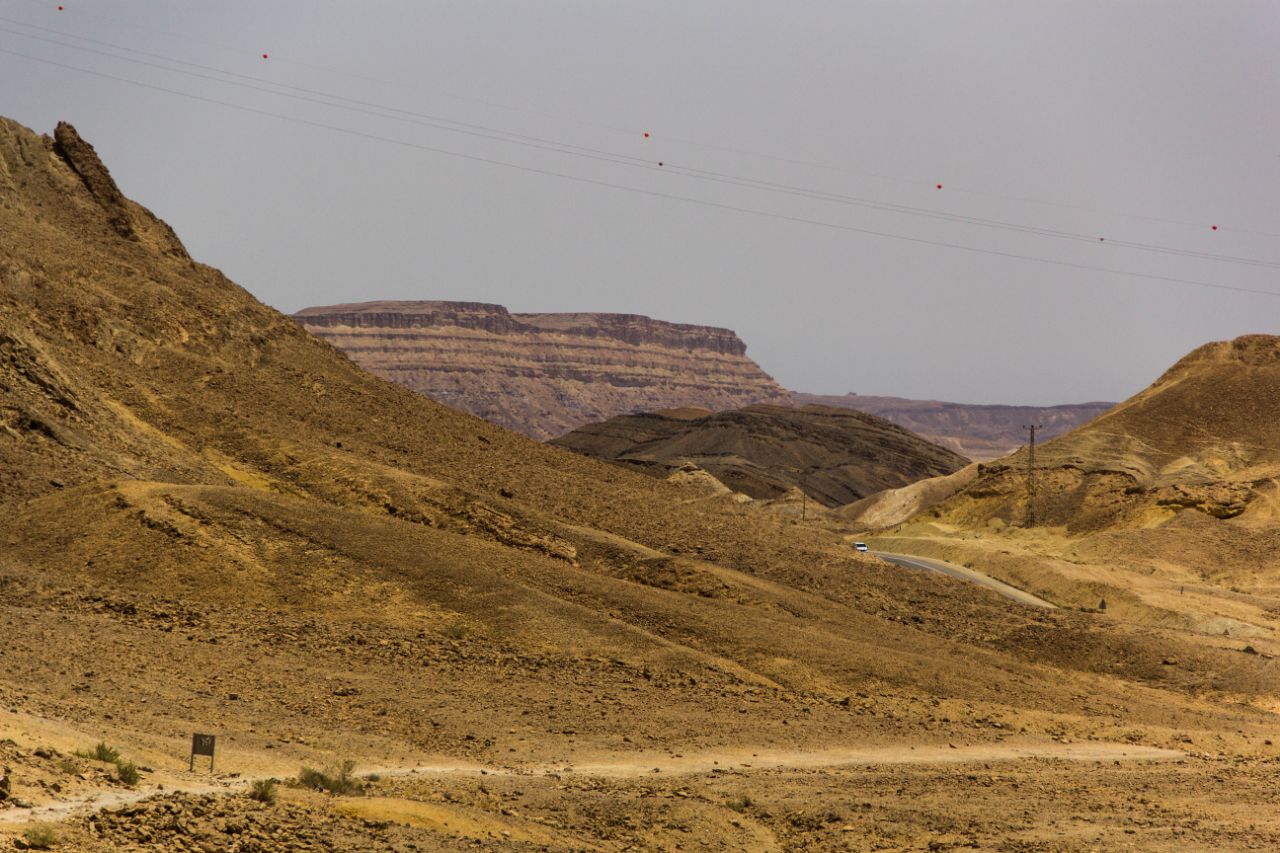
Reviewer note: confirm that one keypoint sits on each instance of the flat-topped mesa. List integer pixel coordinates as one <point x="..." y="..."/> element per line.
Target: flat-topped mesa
<point x="629" y="328"/>
<point x="545" y="374"/>
<point x="639" y="329"/>
<point x="412" y="315"/>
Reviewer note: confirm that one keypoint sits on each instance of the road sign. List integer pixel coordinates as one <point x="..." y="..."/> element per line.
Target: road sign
<point x="202" y="745"/>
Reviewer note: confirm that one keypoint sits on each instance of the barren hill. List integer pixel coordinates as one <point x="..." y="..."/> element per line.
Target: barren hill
<point x="544" y="374"/>
<point x="213" y="521"/>
<point x="977" y="431"/>
<point x="1166" y="506"/>
<point x="834" y="455"/>
<point x="1205" y="435"/>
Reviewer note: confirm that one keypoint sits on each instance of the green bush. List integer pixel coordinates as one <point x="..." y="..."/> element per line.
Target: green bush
<point x="335" y="780"/>
<point x="40" y="838"/>
<point x="101" y="752"/>
<point x="127" y="772"/>
<point x="263" y="790"/>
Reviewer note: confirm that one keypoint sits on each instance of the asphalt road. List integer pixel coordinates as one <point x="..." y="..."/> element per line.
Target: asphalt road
<point x="930" y="565"/>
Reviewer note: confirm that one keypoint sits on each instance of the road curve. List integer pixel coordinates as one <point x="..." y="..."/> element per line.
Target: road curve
<point x="930" y="565"/>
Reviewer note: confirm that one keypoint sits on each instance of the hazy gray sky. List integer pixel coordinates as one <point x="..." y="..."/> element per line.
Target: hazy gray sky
<point x="1138" y="122"/>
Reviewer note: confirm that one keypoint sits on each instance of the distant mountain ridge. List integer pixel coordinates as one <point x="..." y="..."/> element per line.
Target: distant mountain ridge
<point x="979" y="431"/>
<point x="545" y="374"/>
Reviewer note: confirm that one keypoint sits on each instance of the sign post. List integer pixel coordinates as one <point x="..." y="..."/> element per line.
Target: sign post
<point x="202" y="745"/>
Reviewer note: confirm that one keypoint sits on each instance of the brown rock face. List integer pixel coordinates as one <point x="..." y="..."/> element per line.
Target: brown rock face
<point x="980" y="432"/>
<point x="544" y="374"/>
<point x="129" y="219"/>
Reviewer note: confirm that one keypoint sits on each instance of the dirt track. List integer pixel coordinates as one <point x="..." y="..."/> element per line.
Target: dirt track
<point x="1010" y="592"/>
<point x="632" y="766"/>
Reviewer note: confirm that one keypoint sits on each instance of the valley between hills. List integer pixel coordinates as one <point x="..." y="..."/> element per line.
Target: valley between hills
<point x="216" y="521"/>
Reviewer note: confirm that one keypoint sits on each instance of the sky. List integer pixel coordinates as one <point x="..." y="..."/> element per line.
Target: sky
<point x="788" y="187"/>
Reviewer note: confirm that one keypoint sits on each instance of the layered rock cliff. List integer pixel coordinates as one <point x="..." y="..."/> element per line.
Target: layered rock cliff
<point x="544" y="374"/>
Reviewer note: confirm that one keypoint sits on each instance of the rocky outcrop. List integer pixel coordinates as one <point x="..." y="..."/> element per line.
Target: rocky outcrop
<point x="980" y="432"/>
<point x="544" y="374"/>
<point x="129" y="219"/>
<point x="835" y="456"/>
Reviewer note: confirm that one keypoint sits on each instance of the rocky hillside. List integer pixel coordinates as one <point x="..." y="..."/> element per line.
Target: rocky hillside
<point x="1166" y="508"/>
<point x="544" y="374"/>
<point x="980" y="432"/>
<point x="213" y="521"/>
<point x="833" y="455"/>
<point x="1204" y="436"/>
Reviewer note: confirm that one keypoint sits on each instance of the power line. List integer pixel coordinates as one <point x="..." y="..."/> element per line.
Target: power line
<point x="350" y="104"/>
<point x="638" y="190"/>
<point x="616" y="158"/>
<point x="1031" y="474"/>
<point x="630" y="131"/>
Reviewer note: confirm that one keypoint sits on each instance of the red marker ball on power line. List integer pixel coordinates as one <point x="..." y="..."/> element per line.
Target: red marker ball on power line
<point x="646" y="134"/>
<point x="1215" y="228"/>
<point x="939" y="186"/>
<point x="264" y="56"/>
<point x="659" y="162"/>
<point x="59" y="8"/>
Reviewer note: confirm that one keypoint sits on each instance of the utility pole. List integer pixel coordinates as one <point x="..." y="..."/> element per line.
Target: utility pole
<point x="1031" y="474"/>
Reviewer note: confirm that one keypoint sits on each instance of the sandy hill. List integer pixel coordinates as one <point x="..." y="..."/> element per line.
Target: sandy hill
<point x="1173" y="490"/>
<point x="977" y="431"/>
<point x="834" y="455"/>
<point x="1205" y="435"/>
<point x="214" y="521"/>
<point x="544" y="374"/>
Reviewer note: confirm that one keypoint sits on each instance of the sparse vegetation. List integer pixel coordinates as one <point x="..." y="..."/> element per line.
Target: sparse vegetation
<point x="127" y="772"/>
<point x="68" y="765"/>
<point x="456" y="631"/>
<point x="101" y="752"/>
<point x="40" y="838"/>
<point x="336" y="780"/>
<point x="263" y="790"/>
<point x="740" y="803"/>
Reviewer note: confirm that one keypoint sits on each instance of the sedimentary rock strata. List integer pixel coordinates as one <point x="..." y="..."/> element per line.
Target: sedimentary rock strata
<point x="544" y="374"/>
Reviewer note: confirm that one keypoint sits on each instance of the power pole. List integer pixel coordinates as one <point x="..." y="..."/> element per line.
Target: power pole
<point x="1031" y="474"/>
